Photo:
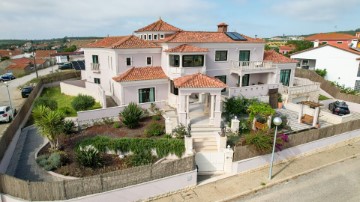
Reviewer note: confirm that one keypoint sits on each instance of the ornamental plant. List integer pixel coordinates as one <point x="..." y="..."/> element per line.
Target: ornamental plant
<point x="131" y="115"/>
<point x="82" y="102"/>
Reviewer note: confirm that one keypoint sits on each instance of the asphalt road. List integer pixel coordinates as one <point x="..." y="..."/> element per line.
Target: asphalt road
<point x="15" y="93"/>
<point x="338" y="182"/>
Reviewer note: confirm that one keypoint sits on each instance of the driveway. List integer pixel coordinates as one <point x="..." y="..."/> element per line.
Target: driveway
<point x="16" y="99"/>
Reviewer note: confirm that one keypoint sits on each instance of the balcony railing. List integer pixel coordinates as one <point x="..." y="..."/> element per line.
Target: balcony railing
<point x="252" y="65"/>
<point x="252" y="91"/>
<point x="303" y="89"/>
<point x="95" y="67"/>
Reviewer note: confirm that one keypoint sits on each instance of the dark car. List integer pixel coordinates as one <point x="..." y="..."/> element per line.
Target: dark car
<point x="25" y="92"/>
<point x="66" y="66"/>
<point x="339" y="108"/>
<point x="7" y="77"/>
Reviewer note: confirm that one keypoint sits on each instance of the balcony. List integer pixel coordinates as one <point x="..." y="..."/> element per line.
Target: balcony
<point x="253" y="91"/>
<point x="301" y="90"/>
<point x="245" y="67"/>
<point x="95" y="67"/>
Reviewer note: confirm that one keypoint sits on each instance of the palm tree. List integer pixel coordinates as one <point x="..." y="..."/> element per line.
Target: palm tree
<point x="49" y="123"/>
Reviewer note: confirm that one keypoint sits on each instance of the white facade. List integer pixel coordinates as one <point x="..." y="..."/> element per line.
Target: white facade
<point x="342" y="66"/>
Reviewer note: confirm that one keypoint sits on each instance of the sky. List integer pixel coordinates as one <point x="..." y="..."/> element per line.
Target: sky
<point x="46" y="19"/>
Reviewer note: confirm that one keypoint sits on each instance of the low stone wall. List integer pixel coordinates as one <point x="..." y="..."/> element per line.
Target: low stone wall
<point x="244" y="152"/>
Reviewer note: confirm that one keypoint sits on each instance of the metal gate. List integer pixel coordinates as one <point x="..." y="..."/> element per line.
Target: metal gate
<point x="210" y="161"/>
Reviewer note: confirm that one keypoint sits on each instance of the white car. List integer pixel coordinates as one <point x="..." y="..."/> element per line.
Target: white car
<point x="6" y="114"/>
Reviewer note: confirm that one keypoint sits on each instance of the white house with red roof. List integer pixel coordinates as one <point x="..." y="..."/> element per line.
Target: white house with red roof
<point x="191" y="72"/>
<point x="332" y="38"/>
<point x="340" y="61"/>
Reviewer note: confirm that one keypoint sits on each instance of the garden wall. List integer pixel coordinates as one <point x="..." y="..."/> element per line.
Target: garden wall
<point x="20" y="119"/>
<point x="62" y="190"/>
<point x="244" y="152"/>
<point x="326" y="85"/>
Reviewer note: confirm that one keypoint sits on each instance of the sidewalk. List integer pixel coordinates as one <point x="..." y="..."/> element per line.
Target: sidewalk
<point x="250" y="182"/>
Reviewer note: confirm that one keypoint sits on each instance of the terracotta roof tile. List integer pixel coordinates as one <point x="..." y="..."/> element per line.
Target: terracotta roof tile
<point x="141" y="73"/>
<point x="21" y="61"/>
<point x="20" y="66"/>
<point x="198" y="81"/>
<point x="122" y="42"/>
<point x="206" y="37"/>
<point x="9" y="53"/>
<point x="159" y="25"/>
<point x="44" y="53"/>
<point x="339" y="46"/>
<point x="330" y="37"/>
<point x="287" y="47"/>
<point x="275" y="57"/>
<point x="39" y="61"/>
<point x="187" y="49"/>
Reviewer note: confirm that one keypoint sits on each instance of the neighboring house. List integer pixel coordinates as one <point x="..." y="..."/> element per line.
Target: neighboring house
<point x="340" y="61"/>
<point x="286" y="49"/>
<point x="64" y="57"/>
<point x="332" y="38"/>
<point x="46" y="56"/>
<point x="9" y="53"/>
<point x="20" y="66"/>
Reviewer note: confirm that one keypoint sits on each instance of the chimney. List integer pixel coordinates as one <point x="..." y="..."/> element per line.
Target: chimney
<point x="316" y="43"/>
<point x="357" y="34"/>
<point x="222" y="27"/>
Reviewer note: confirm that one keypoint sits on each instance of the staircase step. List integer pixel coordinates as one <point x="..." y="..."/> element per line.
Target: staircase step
<point x="206" y="149"/>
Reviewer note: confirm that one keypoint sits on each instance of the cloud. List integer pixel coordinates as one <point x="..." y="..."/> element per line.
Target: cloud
<point x="314" y="10"/>
<point x="45" y="18"/>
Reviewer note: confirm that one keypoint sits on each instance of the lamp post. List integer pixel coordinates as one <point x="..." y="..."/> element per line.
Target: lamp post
<point x="277" y="121"/>
<point x="7" y="87"/>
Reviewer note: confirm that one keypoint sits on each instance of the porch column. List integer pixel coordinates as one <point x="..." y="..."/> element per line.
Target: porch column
<point x="187" y="108"/>
<point x="240" y="80"/>
<point x="217" y="111"/>
<point x="300" y="112"/>
<point x="182" y="110"/>
<point x="316" y="116"/>
<point x="212" y="109"/>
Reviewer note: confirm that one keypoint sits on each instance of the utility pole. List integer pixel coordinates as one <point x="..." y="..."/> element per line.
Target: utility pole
<point x="37" y="75"/>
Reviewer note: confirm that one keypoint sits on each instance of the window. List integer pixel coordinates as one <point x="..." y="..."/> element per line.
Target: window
<point x="141" y="36"/>
<point x="155" y="37"/>
<point x="161" y="36"/>
<point x="97" y="80"/>
<point x="128" y="61"/>
<point x="358" y="73"/>
<point x="305" y="64"/>
<point x="245" y="80"/>
<point x="148" y="60"/>
<point x="145" y="36"/>
<point x="223" y="79"/>
<point x="285" y="76"/>
<point x="339" y="42"/>
<point x="244" y="55"/>
<point x="221" y="55"/>
<point x="146" y="95"/>
<point x="324" y="42"/>
<point x="95" y="59"/>
<point x="173" y="90"/>
<point x="174" y="60"/>
<point x="357" y="85"/>
<point x="193" y="60"/>
<point x="149" y="37"/>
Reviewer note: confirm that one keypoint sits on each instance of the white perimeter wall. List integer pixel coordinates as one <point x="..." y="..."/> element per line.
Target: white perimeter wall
<point x="341" y="65"/>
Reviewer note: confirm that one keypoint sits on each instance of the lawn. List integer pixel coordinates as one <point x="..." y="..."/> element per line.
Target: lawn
<point x="63" y="101"/>
<point x="323" y="97"/>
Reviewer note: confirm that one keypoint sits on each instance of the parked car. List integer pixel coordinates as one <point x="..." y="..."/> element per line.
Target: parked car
<point x="339" y="108"/>
<point x="25" y="91"/>
<point x="7" y="77"/>
<point x="6" y="114"/>
<point x="65" y="66"/>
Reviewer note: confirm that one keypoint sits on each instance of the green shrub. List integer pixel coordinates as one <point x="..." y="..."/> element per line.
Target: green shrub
<point x="323" y="97"/>
<point x="156" y="117"/>
<point x="167" y="136"/>
<point x="47" y="102"/>
<point x="141" y="158"/>
<point x="236" y="106"/>
<point x="232" y="140"/>
<point x="131" y="115"/>
<point x="116" y="125"/>
<point x="180" y="131"/>
<point x="88" y="156"/>
<point x="321" y="72"/>
<point x="66" y="110"/>
<point x="69" y="126"/>
<point x="82" y="102"/>
<point x="261" y="141"/>
<point x="50" y="162"/>
<point x="154" y="129"/>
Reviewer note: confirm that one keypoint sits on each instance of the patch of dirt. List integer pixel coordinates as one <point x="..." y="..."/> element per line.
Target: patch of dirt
<point x="110" y="162"/>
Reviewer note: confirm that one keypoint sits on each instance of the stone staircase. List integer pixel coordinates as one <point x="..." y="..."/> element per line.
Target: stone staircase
<point x="204" y="138"/>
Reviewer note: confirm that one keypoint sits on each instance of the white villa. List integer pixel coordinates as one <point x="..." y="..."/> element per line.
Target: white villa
<point x="191" y="72"/>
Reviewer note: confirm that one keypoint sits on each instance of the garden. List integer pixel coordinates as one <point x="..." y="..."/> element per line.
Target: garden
<point x="254" y="129"/>
<point x="136" y="138"/>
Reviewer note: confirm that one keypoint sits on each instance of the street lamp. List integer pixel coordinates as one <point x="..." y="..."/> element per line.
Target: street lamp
<point x="277" y="121"/>
<point x="7" y="87"/>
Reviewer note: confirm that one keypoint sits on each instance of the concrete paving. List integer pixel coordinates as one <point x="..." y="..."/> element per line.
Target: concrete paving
<point x="250" y="182"/>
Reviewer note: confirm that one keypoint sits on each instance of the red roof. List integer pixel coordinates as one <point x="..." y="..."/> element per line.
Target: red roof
<point x="206" y="37"/>
<point x="330" y="37"/>
<point x="44" y="53"/>
<point x="159" y="25"/>
<point x="21" y="61"/>
<point x="343" y="47"/>
<point x="20" y="66"/>
<point x="187" y="49"/>
<point x="141" y="73"/>
<point x="275" y="57"/>
<point x="287" y="47"/>
<point x="9" y="53"/>
<point x="39" y="61"/>
<point x="122" y="42"/>
<point x="198" y="81"/>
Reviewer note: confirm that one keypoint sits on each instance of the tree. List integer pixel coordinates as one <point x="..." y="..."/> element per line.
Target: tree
<point x="70" y="49"/>
<point x="300" y="45"/>
<point x="49" y="123"/>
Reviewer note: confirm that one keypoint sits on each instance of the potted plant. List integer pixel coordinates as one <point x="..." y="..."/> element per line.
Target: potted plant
<point x="280" y="104"/>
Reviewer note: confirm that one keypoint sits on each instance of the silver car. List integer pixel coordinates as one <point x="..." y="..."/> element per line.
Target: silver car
<point x="6" y="114"/>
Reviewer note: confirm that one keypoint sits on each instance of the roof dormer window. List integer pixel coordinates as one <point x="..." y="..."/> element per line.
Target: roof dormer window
<point x="149" y="37"/>
<point x="144" y="36"/>
<point x="155" y="37"/>
<point x="161" y="36"/>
